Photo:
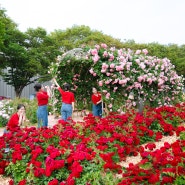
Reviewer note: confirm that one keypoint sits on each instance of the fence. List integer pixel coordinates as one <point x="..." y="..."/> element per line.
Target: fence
<point x="8" y="90"/>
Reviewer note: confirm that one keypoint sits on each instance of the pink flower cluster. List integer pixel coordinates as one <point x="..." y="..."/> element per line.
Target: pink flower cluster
<point x="152" y="78"/>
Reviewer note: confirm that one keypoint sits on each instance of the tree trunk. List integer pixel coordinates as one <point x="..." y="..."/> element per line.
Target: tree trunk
<point x="18" y="92"/>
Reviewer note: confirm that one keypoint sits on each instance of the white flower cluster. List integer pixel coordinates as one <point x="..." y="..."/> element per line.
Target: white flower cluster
<point x="5" y="111"/>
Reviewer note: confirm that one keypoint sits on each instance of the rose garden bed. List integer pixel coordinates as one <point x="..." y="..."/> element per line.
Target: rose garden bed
<point x="94" y="151"/>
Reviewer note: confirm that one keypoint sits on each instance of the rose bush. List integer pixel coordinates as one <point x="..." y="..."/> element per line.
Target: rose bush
<point x="91" y="152"/>
<point x="75" y="71"/>
<point x="124" y="77"/>
<point x="127" y="77"/>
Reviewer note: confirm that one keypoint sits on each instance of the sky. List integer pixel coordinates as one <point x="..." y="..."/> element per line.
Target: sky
<point x="144" y="21"/>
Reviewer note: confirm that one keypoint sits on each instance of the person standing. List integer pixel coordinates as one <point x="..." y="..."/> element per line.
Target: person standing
<point x="17" y="119"/>
<point x="42" y="101"/>
<point x="97" y="102"/>
<point x="68" y="100"/>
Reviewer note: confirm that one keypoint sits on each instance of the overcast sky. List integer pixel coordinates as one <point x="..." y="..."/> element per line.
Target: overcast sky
<point x="143" y="21"/>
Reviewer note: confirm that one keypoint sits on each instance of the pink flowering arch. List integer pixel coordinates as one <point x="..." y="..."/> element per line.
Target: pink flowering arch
<point x="125" y="76"/>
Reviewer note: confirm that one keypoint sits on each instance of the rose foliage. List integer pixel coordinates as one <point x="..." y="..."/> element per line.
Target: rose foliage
<point x="91" y="152"/>
<point x="124" y="76"/>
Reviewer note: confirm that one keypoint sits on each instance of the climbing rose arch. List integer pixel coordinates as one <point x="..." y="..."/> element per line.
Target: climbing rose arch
<point x="124" y="77"/>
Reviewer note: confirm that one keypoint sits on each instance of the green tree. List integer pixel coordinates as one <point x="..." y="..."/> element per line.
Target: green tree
<point x="41" y="50"/>
<point x="180" y="66"/>
<point x="15" y="72"/>
<point x="28" y="56"/>
<point x="80" y="36"/>
<point x="180" y="61"/>
<point x="6" y="24"/>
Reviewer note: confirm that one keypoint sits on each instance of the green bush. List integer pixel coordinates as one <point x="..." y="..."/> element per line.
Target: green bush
<point x="3" y="121"/>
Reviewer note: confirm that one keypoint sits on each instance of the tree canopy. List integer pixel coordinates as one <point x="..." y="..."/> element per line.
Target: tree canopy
<point x="25" y="57"/>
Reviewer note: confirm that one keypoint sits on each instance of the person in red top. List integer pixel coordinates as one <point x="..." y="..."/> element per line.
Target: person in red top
<point x="17" y="119"/>
<point x="42" y="101"/>
<point x="68" y="100"/>
<point x="97" y="103"/>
